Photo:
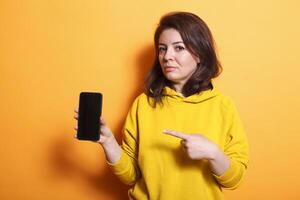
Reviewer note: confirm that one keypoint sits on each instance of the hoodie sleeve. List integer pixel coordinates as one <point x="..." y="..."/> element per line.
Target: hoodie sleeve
<point x="237" y="149"/>
<point x="127" y="167"/>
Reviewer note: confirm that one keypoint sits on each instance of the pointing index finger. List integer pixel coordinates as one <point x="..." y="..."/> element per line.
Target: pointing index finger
<point x="176" y="134"/>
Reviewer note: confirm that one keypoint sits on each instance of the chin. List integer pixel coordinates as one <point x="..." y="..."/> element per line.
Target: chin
<point x="172" y="78"/>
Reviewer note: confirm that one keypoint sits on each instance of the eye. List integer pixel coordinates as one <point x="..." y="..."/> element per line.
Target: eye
<point x="179" y="48"/>
<point x="161" y="49"/>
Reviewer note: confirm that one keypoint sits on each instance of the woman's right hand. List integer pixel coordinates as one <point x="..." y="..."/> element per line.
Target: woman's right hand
<point x="105" y="133"/>
<point x="107" y="140"/>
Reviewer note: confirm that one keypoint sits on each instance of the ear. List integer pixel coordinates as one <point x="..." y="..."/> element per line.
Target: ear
<point x="198" y="60"/>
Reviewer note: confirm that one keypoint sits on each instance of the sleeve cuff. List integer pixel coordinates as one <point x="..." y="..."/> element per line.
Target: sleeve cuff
<point x="120" y="166"/>
<point x="232" y="177"/>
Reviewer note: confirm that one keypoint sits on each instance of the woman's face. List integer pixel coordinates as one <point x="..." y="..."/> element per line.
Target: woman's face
<point x="177" y="63"/>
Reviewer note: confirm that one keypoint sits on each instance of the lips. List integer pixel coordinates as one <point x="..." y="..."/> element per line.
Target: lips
<point x="169" y="69"/>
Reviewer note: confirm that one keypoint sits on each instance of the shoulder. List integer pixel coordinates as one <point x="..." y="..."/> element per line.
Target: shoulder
<point x="141" y="101"/>
<point x="226" y="102"/>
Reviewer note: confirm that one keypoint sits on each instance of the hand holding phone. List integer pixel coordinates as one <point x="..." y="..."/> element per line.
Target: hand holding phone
<point x="90" y="110"/>
<point x="90" y="123"/>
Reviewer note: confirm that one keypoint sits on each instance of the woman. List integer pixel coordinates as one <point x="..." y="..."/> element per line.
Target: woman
<point x="183" y="139"/>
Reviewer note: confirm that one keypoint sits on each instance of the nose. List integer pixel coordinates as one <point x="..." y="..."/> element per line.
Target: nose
<point x="168" y="55"/>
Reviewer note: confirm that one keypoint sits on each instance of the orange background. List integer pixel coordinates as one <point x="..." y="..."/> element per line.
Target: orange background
<point x="50" y="51"/>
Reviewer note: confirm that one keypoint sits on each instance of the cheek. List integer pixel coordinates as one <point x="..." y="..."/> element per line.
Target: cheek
<point x="188" y="62"/>
<point x="159" y="57"/>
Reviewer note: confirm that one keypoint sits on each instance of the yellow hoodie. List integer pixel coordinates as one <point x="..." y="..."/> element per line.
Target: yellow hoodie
<point x="154" y="163"/>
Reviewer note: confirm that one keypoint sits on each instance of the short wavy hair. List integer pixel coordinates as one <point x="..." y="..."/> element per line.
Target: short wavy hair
<point x="199" y="41"/>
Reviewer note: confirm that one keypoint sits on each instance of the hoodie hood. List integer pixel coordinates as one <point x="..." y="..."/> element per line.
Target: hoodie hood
<point x="195" y="98"/>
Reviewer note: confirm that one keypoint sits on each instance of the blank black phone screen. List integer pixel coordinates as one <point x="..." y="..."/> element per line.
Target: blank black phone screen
<point x="90" y="109"/>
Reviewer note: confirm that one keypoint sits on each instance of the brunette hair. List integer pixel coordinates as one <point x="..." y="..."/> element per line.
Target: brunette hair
<point x="199" y="41"/>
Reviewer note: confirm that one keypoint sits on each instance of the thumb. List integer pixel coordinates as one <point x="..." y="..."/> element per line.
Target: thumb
<point x="104" y="129"/>
<point x="102" y="121"/>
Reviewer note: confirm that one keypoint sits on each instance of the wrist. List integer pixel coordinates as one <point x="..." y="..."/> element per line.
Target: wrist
<point x="109" y="143"/>
<point x="215" y="153"/>
<point x="219" y="162"/>
<point x="112" y="150"/>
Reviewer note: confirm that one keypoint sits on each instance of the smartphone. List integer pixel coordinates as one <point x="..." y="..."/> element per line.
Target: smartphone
<point x="90" y="110"/>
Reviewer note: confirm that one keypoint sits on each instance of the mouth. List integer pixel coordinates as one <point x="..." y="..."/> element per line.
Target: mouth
<point x="169" y="69"/>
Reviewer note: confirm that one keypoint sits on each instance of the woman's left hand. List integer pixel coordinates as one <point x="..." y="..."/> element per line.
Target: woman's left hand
<point x="196" y="146"/>
<point x="199" y="147"/>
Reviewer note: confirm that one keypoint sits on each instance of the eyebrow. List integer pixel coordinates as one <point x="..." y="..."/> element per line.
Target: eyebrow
<point x="172" y="43"/>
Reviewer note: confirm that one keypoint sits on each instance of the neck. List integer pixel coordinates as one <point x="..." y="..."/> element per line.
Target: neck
<point x="178" y="87"/>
